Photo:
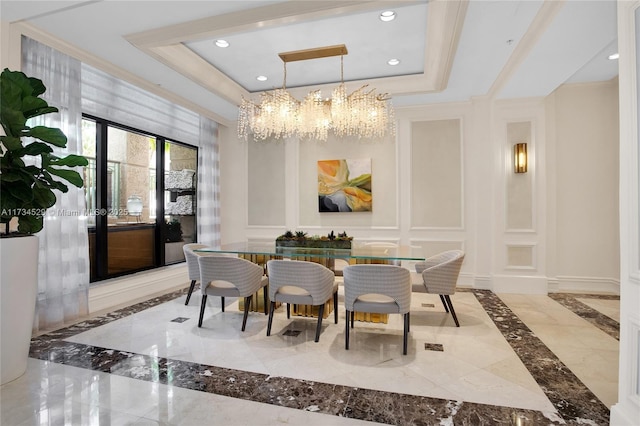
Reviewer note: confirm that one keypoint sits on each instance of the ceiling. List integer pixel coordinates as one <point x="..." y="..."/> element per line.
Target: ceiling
<point x="448" y="50"/>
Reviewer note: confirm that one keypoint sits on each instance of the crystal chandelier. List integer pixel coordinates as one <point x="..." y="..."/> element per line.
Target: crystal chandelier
<point x="279" y="115"/>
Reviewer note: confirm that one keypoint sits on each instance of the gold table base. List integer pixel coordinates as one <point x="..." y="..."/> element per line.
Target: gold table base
<point x="312" y="311"/>
<point x="367" y="317"/>
<point x="257" y="304"/>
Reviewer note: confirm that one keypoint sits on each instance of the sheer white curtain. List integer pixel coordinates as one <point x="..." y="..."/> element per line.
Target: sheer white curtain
<point x="208" y="213"/>
<point x="63" y="270"/>
<point x="75" y="88"/>
<point x="111" y="98"/>
<point x="108" y="97"/>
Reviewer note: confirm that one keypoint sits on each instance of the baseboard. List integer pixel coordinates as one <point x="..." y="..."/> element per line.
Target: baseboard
<point x="482" y="282"/>
<point x="569" y="284"/>
<point x="467" y="280"/>
<point x="620" y="417"/>
<point x="519" y="284"/>
<point x="542" y="285"/>
<point x="117" y="292"/>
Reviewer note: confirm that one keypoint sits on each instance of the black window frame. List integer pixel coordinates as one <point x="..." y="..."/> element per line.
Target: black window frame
<point x="101" y="230"/>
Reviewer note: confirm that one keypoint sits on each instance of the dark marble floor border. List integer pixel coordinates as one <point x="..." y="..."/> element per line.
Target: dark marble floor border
<point x="344" y="401"/>
<point x="573" y="400"/>
<point x="358" y="403"/>
<point x="598" y="319"/>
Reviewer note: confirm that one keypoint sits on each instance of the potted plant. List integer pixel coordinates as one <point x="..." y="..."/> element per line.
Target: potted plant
<point x="173" y="231"/>
<point x="27" y="191"/>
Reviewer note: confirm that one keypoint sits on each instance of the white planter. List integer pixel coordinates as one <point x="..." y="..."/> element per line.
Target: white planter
<point x="18" y="291"/>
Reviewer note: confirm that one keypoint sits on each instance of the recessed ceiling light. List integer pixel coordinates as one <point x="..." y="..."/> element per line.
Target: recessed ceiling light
<point x="393" y="61"/>
<point x="261" y="78"/>
<point x="222" y="43"/>
<point x="614" y="56"/>
<point x="387" y="15"/>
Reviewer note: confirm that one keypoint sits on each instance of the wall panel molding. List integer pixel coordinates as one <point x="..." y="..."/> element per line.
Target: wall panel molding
<point x="436" y="229"/>
<point x="520" y="189"/>
<point x="520" y="256"/>
<point x="437" y="173"/>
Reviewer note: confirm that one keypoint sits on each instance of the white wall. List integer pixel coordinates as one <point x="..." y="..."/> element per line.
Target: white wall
<point x="447" y="181"/>
<point x="9" y="55"/>
<point x="627" y="410"/>
<point x="586" y="185"/>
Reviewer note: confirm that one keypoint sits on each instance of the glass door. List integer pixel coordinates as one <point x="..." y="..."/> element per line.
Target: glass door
<point x="131" y="221"/>
<point x="180" y="165"/>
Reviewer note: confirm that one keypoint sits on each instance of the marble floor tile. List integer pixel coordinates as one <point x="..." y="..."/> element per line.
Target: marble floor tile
<point x="606" y="323"/>
<point x="608" y="307"/>
<point x="138" y="365"/>
<point x="588" y="351"/>
<point x="374" y="360"/>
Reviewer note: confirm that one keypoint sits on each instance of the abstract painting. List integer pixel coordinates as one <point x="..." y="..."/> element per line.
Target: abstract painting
<point x="344" y="185"/>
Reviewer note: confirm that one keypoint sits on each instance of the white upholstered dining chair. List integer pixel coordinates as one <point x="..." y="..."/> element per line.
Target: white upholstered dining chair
<point x="439" y="275"/>
<point x="382" y="289"/>
<point x="193" y="268"/>
<point x="227" y="276"/>
<point x="301" y="282"/>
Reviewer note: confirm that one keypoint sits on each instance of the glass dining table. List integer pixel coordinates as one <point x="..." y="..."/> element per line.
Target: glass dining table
<point x="260" y="252"/>
<point x="360" y="252"/>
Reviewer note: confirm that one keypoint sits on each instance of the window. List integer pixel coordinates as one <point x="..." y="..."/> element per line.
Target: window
<point x="129" y="230"/>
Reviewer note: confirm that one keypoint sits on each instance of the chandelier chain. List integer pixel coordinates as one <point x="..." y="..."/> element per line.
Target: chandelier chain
<point x="284" y="80"/>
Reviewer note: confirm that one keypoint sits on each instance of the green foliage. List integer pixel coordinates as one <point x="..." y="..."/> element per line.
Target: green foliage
<point x="27" y="191"/>
<point x="301" y="235"/>
<point x="288" y="234"/>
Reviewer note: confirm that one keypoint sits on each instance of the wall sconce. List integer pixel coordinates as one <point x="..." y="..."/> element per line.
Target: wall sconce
<point x="520" y="158"/>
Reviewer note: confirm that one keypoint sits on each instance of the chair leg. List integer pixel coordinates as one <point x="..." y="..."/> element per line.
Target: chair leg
<point x="247" y="302"/>
<point x="288" y="311"/>
<point x="271" y="309"/>
<point x="346" y="332"/>
<point x="446" y="308"/>
<point x="406" y="333"/>
<point x="202" y="305"/>
<point x="191" y="287"/>
<point x="409" y="322"/>
<point x="335" y="307"/>
<point x="453" y="313"/>
<point x="264" y="295"/>
<point x="353" y="315"/>
<point x="222" y="303"/>
<point x="319" y="326"/>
